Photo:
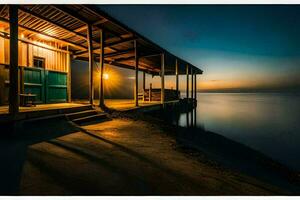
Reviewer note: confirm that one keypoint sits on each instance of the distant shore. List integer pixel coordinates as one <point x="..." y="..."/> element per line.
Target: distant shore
<point x="296" y="91"/>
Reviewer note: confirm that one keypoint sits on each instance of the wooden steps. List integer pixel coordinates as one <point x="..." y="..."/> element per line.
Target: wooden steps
<point x="86" y="116"/>
<point x="91" y="118"/>
<point x="79" y="115"/>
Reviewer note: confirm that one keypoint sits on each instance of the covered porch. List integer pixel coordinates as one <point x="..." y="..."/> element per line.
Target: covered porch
<point x="81" y="32"/>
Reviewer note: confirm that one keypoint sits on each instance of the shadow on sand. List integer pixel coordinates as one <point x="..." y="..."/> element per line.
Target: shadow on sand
<point x="14" y="148"/>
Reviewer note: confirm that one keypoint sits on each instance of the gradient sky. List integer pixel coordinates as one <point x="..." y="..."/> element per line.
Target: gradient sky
<point x="238" y="47"/>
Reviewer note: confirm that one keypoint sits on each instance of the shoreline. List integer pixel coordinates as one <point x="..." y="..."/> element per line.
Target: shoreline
<point x="214" y="147"/>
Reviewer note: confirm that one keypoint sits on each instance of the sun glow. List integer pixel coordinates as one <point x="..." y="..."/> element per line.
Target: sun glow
<point x="106" y="76"/>
<point x="111" y="79"/>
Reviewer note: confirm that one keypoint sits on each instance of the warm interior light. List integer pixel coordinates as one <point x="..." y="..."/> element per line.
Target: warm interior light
<point x="106" y="76"/>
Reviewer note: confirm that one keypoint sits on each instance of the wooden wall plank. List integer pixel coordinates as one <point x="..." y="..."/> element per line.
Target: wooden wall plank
<point x="54" y="60"/>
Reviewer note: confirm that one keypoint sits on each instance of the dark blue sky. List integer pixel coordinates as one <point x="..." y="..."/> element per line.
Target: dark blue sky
<point x="236" y="46"/>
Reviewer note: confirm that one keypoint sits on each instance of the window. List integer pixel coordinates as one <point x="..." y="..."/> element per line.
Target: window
<point x="38" y="62"/>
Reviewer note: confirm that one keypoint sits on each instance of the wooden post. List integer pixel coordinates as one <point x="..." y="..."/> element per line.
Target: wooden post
<point x="187" y="81"/>
<point x="22" y="88"/>
<point x="192" y="117"/>
<point x="144" y="85"/>
<point x="150" y="92"/>
<point x="192" y="86"/>
<point x="195" y="117"/>
<point x="177" y="77"/>
<point x="162" y="97"/>
<point x="13" y="61"/>
<point x="91" y="63"/>
<point x="136" y="85"/>
<point x="69" y="89"/>
<point x="101" y="62"/>
<point x="195" y="82"/>
<point x="187" y="118"/>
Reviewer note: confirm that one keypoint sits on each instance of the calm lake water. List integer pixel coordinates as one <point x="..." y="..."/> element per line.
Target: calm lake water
<point x="268" y="122"/>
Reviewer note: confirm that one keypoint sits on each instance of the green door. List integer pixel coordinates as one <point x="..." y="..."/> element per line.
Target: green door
<point x="56" y="87"/>
<point x="49" y="86"/>
<point x="34" y="79"/>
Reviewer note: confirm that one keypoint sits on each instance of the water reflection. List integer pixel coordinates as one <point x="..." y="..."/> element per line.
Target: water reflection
<point x="188" y="118"/>
<point x="265" y="122"/>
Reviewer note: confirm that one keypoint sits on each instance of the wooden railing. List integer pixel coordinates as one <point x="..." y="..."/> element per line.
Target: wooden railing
<point x="155" y="95"/>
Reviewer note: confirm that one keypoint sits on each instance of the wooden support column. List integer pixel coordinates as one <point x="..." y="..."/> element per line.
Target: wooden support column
<point x="13" y="61"/>
<point x="177" y="76"/>
<point x="69" y="89"/>
<point x="150" y="92"/>
<point x="136" y="85"/>
<point x="192" y="85"/>
<point x="187" y="118"/>
<point x="101" y="62"/>
<point x="144" y="85"/>
<point x="162" y="97"/>
<point x="91" y="63"/>
<point x="187" y="81"/>
<point x="195" y="82"/>
<point x="21" y="85"/>
<point x="144" y="80"/>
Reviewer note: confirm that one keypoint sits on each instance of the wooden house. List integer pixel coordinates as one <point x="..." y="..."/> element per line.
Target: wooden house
<point x="38" y="42"/>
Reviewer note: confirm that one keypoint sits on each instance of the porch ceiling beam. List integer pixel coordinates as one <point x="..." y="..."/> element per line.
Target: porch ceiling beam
<point x="116" y="34"/>
<point x="2" y="9"/>
<point x="71" y="13"/>
<point x="149" y="70"/>
<point x="51" y="22"/>
<point x="83" y="20"/>
<point x="124" y="59"/>
<point x="150" y="55"/>
<point x="84" y="27"/>
<point x="102" y="21"/>
<point x="129" y="67"/>
<point x="109" y="45"/>
<point x="96" y="12"/>
<point x="108" y="55"/>
<point x="80" y="53"/>
<point x="118" y="64"/>
<point x="120" y="42"/>
<point x="46" y="35"/>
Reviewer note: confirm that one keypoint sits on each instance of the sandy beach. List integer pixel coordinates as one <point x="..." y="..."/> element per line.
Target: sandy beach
<point x="126" y="156"/>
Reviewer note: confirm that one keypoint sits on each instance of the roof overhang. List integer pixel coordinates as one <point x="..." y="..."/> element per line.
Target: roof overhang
<point x="67" y="24"/>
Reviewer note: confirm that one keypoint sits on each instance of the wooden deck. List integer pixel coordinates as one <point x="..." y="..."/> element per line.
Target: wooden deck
<point x="44" y="110"/>
<point x="121" y="104"/>
<point x="127" y="104"/>
<point x="42" y="107"/>
<point x="117" y="104"/>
